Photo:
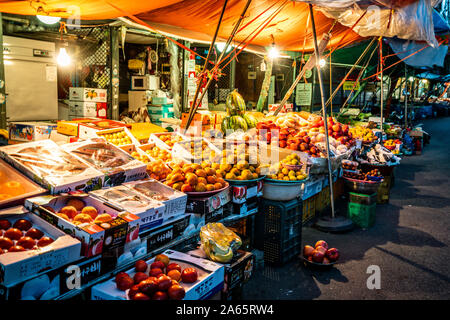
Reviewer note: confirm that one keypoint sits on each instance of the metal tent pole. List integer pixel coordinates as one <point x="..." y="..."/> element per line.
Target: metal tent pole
<point x="406" y="98"/>
<point x="333" y="224"/>
<point x="381" y="88"/>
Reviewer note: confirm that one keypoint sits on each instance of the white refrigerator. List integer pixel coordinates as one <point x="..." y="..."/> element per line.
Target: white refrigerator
<point x="30" y="79"/>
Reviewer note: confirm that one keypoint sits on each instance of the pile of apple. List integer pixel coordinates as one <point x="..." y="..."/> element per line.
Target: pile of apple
<point x="21" y="236"/>
<point x="265" y="129"/>
<point x="320" y="253"/>
<point x="161" y="282"/>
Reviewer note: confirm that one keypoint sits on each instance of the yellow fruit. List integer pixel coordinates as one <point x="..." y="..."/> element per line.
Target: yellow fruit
<point x="285" y="171"/>
<point x="201" y="187"/>
<point x="230" y="176"/>
<point x="210" y="187"/>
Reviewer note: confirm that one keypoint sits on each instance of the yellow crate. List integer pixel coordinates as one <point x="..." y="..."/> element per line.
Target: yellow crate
<point x="323" y="199"/>
<point x="309" y="209"/>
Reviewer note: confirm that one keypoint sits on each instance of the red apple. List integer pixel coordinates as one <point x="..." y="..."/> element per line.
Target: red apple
<point x="124" y="283"/>
<point x="6" y="243"/>
<point x="174" y="274"/>
<point x="22" y="224"/>
<point x="321" y="243"/>
<point x="148" y="286"/>
<point x="26" y="242"/>
<point x="140" y="296"/>
<point x="176" y="292"/>
<point x="16" y="249"/>
<point x="310" y="258"/>
<point x="155" y="272"/>
<point x="336" y="127"/>
<point x="332" y="254"/>
<point x="164" y="282"/>
<point x="307" y="251"/>
<point x="160" y="295"/>
<point x="139" y="277"/>
<point x="321" y="249"/>
<point x="157" y="264"/>
<point x="133" y="290"/>
<point x="317" y="256"/>
<point x="44" y="241"/>
<point x="34" y="233"/>
<point x="140" y="266"/>
<point x="325" y="260"/>
<point x="5" y="224"/>
<point x="13" y="234"/>
<point x="173" y="266"/>
<point x="121" y="275"/>
<point x="189" y="275"/>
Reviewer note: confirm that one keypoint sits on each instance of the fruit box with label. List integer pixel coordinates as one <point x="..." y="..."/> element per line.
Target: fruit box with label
<point x="198" y="220"/>
<point x="111" y="227"/>
<point x="50" y="166"/>
<point x="166" y="140"/>
<point x="117" y="165"/>
<point x="30" y="131"/>
<point x="88" y="109"/>
<point x="288" y="107"/>
<point x="45" y="246"/>
<point x="206" y="205"/>
<point x="92" y="129"/>
<point x="173" y="200"/>
<point x="237" y="272"/>
<point x="88" y="94"/>
<point x="209" y="282"/>
<point x="70" y="128"/>
<point x="53" y="283"/>
<point x="123" y="255"/>
<point x="150" y="212"/>
<point x="241" y="193"/>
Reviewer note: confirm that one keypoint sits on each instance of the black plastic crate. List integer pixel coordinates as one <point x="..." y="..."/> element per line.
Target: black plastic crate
<point x="282" y="233"/>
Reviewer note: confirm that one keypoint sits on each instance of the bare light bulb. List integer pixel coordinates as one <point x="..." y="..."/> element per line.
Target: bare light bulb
<point x="48" y="19"/>
<point x="274" y="52"/>
<point x="322" y="63"/>
<point x="63" y="58"/>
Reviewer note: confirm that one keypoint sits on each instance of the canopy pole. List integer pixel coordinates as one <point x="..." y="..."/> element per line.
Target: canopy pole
<point x="381" y="88"/>
<point x="335" y="224"/>
<point x="406" y="99"/>
<point x="331" y="89"/>
<point x="233" y="32"/>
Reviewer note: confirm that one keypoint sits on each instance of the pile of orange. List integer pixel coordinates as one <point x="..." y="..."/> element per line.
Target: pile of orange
<point x="170" y="139"/>
<point x="158" y="153"/>
<point x="195" y="178"/>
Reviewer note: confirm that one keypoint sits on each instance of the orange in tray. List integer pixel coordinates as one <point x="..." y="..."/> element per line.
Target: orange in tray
<point x="158" y="170"/>
<point x="170" y="139"/>
<point x="157" y="153"/>
<point x="195" y="178"/>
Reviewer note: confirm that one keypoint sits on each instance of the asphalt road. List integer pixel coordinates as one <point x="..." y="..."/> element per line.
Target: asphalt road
<point x="409" y="242"/>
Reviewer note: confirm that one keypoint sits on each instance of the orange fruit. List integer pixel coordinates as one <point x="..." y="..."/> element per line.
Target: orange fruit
<point x="211" y="179"/>
<point x="218" y="186"/>
<point x="210" y="187"/>
<point x="186" y="188"/>
<point x="201" y="187"/>
<point x="202" y="180"/>
<point x="201" y="173"/>
<point x="192" y="179"/>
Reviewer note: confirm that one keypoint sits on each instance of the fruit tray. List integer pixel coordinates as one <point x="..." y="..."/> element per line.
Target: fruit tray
<point x="156" y="139"/>
<point x="15" y="187"/>
<point x="99" y="225"/>
<point x="161" y="152"/>
<point x="244" y="182"/>
<point x="46" y="246"/>
<point x="207" y="193"/>
<point x="210" y="279"/>
<point x="121" y="137"/>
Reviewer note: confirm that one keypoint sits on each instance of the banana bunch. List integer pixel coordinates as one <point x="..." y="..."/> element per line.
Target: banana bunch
<point x="219" y="242"/>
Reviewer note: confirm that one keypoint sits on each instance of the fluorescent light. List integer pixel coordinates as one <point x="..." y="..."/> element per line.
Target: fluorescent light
<point x="48" y="19"/>
<point x="322" y="63"/>
<point x="274" y="52"/>
<point x="63" y="58"/>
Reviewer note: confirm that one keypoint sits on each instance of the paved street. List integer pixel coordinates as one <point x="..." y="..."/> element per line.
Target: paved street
<point x="410" y="241"/>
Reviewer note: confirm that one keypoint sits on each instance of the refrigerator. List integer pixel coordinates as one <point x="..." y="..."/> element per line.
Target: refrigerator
<point x="30" y="79"/>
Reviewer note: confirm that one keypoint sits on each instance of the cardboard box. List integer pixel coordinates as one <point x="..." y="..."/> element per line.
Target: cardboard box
<point x="116" y="165"/>
<point x="19" y="266"/>
<point x="70" y="128"/>
<point x="30" y="131"/>
<point x="203" y="117"/>
<point x="210" y="281"/>
<point x="246" y="208"/>
<point x="288" y="107"/>
<point x="88" y="94"/>
<point x="311" y="188"/>
<point x="241" y="193"/>
<point x="48" y="165"/>
<point x="206" y="205"/>
<point x="173" y="200"/>
<point x="96" y="128"/>
<point x="53" y="283"/>
<point x="151" y="212"/>
<point x="123" y="255"/>
<point x="95" y="237"/>
<point x="88" y="109"/>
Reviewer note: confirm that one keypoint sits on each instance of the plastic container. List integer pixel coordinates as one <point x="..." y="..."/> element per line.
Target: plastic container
<point x="282" y="230"/>
<point x="365" y="199"/>
<point x="281" y="191"/>
<point x="360" y="186"/>
<point x="362" y="215"/>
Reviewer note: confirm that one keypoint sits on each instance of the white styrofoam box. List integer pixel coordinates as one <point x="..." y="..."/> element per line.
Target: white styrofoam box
<point x="88" y="109"/>
<point x="210" y="279"/>
<point x="30" y="131"/>
<point x="88" y="94"/>
<point x="19" y="266"/>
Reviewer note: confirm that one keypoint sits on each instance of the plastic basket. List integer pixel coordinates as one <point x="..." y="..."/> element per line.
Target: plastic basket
<point x="362" y="215"/>
<point x="282" y="230"/>
<point x="366" y="199"/>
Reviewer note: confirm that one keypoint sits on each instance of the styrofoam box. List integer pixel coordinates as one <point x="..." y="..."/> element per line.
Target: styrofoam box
<point x="88" y="94"/>
<point x="88" y="109"/>
<point x="19" y="266"/>
<point x="210" y="279"/>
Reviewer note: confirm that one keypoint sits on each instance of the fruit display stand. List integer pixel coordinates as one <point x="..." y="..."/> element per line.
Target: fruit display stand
<point x="15" y="187"/>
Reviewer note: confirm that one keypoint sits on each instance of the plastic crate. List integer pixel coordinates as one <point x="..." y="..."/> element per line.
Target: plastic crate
<point x="384" y="191"/>
<point x="282" y="230"/>
<point x="322" y="200"/>
<point x="363" y="198"/>
<point x="309" y="208"/>
<point x="362" y="215"/>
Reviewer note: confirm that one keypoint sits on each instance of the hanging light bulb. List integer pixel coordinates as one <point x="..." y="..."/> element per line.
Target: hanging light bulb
<point x="48" y="19"/>
<point x="322" y="63"/>
<point x="274" y="52"/>
<point x="221" y="46"/>
<point x="63" y="58"/>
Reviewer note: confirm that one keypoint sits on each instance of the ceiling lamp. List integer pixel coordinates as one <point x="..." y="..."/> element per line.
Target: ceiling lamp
<point x="274" y="52"/>
<point x="63" y="57"/>
<point x="48" y="19"/>
<point x="322" y="63"/>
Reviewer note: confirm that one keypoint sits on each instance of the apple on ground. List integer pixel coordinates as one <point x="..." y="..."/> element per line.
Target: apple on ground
<point x="332" y="254"/>
<point x="321" y="243"/>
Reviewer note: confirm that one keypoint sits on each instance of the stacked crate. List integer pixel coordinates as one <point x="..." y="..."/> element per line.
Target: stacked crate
<point x="362" y="209"/>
